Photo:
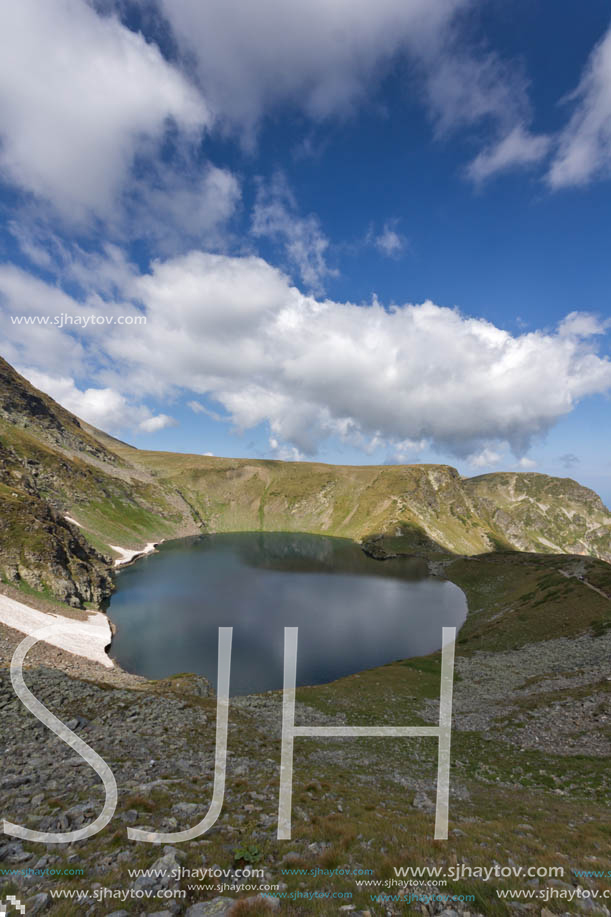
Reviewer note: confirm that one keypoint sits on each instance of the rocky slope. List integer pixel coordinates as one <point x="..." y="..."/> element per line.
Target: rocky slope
<point x="529" y="778"/>
<point x="52" y="466"/>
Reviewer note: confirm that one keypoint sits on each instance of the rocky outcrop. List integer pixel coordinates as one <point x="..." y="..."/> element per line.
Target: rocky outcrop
<point x="536" y="512"/>
<point x="40" y="549"/>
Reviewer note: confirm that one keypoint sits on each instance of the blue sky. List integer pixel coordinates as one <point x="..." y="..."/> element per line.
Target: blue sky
<point x="357" y="232"/>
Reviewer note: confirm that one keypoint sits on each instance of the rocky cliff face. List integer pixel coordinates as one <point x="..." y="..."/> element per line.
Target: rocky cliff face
<point x="52" y="464"/>
<point x="535" y="512"/>
<point x="40" y="548"/>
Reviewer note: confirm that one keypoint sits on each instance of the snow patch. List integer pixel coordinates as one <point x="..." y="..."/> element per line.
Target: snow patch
<point x="82" y="638"/>
<point x="126" y="555"/>
<point x="73" y="521"/>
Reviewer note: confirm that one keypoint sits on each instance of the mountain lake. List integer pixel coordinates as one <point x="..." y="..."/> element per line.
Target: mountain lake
<point x="353" y="612"/>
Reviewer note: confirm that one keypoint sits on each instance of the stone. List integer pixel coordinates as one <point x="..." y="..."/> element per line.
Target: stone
<point x="292" y="857"/>
<point x="218" y="907"/>
<point x="36" y="904"/>
<point x="422" y="801"/>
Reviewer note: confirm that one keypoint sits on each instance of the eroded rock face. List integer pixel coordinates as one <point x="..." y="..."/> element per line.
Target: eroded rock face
<point x="536" y="512"/>
<point x="40" y="548"/>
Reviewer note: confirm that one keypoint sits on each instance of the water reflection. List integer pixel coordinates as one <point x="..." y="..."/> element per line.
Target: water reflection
<point x="352" y="612"/>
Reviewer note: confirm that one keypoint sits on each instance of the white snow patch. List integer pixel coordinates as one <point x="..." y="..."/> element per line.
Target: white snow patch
<point x="127" y="555"/>
<point x="73" y="521"/>
<point x="82" y="638"/>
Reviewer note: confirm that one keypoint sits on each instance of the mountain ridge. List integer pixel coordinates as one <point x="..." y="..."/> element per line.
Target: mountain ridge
<point x="53" y="466"/>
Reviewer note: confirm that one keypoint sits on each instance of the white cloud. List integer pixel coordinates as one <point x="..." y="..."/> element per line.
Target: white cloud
<point x="390" y="242"/>
<point x="103" y="407"/>
<point x="582" y="324"/>
<point x="584" y="150"/>
<point x="283" y="452"/>
<point x="327" y="57"/>
<point x="404" y="451"/>
<point x="322" y="56"/>
<point x="156" y="423"/>
<point x="527" y="463"/>
<point x="275" y="215"/>
<point x="516" y="149"/>
<point x="80" y="95"/>
<point x="485" y="459"/>
<point x="61" y="345"/>
<point x="465" y="87"/>
<point x="196" y="407"/>
<point x="179" y="208"/>
<point x="236" y="330"/>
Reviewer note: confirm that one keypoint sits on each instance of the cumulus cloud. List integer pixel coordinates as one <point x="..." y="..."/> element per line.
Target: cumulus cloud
<point x="102" y="407"/>
<point x="284" y="452"/>
<point x="83" y="98"/>
<point x="80" y="96"/>
<point x="276" y="216"/>
<point x="569" y="460"/>
<point x="582" y="324"/>
<point x="485" y="459"/>
<point x="236" y="330"/>
<point x="527" y="463"/>
<point x="403" y="452"/>
<point x="517" y="149"/>
<point x="584" y="149"/>
<point x="40" y="322"/>
<point x="157" y="422"/>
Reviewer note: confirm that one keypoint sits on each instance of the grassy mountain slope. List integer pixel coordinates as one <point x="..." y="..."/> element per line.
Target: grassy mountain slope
<point x="427" y="507"/>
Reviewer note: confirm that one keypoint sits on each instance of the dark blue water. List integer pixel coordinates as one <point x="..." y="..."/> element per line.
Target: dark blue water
<point x="353" y="612"/>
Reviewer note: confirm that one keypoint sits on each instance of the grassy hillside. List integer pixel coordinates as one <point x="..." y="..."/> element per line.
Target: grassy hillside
<point x="429" y="507"/>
